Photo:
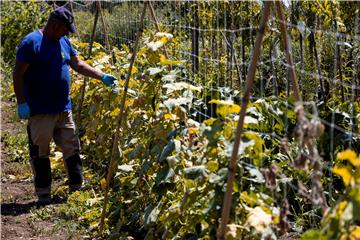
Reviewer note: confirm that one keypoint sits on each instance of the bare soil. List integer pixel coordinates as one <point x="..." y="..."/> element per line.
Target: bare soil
<point x="17" y="192"/>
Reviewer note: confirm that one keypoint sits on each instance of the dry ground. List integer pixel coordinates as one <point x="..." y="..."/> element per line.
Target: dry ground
<point x="17" y="193"/>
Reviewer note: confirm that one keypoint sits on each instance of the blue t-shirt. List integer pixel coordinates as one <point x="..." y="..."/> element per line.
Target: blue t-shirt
<point x="47" y="79"/>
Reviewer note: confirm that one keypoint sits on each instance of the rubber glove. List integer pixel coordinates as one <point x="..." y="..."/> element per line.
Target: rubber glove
<point x="23" y="111"/>
<point x="108" y="80"/>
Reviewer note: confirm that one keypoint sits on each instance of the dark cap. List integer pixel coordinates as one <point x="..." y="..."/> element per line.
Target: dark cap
<point x="64" y="15"/>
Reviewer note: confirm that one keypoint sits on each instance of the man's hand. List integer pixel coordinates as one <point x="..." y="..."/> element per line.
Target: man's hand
<point x="23" y="111"/>
<point x="108" y="80"/>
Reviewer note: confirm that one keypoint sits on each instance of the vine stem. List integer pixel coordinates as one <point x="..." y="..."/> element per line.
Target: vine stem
<point x="113" y="163"/>
<point x="234" y="157"/>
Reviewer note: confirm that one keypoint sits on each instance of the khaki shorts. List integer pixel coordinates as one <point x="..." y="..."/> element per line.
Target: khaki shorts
<point x="60" y="127"/>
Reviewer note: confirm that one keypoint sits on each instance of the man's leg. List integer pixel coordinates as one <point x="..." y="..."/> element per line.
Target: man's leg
<point x="40" y="129"/>
<point x="65" y="137"/>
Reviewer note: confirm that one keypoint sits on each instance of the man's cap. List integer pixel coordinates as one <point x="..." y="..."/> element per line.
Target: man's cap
<point x="64" y="15"/>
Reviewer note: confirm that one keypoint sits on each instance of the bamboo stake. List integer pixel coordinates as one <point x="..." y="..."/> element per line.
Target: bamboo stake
<point x="107" y="43"/>
<point x="72" y="11"/>
<point x="234" y="56"/>
<point x="288" y="54"/>
<point x="82" y="95"/>
<point x="113" y="164"/>
<point x="234" y="157"/>
<point x="338" y="65"/>
<point x="322" y="85"/>
<point x="317" y="192"/>
<point x="153" y="15"/>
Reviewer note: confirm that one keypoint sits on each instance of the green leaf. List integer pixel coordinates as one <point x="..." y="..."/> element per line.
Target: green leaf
<point x="168" y="149"/>
<point x="219" y="177"/>
<point x="195" y="172"/>
<point x="164" y="176"/>
<point x="312" y="234"/>
<point x="151" y="214"/>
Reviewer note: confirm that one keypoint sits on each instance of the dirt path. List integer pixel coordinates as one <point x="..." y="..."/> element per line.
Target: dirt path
<point x="17" y="194"/>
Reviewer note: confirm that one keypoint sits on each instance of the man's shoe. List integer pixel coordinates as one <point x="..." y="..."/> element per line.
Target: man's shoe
<point x="44" y="199"/>
<point x="74" y="188"/>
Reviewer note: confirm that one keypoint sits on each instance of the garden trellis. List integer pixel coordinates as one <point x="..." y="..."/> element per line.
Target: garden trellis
<point x="206" y="49"/>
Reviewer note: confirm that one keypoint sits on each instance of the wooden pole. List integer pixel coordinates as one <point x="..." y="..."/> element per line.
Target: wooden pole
<point x="113" y="163"/>
<point x="153" y="15"/>
<point x="234" y="157"/>
<point x="82" y="95"/>
<point x="107" y="43"/>
<point x="289" y="59"/>
<point x="318" y="196"/>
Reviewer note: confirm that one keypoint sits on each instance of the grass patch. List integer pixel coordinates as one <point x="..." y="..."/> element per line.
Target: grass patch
<point x="16" y="147"/>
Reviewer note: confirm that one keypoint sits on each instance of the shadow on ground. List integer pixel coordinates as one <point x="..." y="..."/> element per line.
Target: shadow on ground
<point x="16" y="209"/>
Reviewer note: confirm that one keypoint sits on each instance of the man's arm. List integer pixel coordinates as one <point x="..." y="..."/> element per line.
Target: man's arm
<point x="85" y="69"/>
<point x="18" y="80"/>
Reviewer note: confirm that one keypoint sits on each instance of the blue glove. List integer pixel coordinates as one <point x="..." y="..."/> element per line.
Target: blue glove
<point x="108" y="80"/>
<point x="23" y="111"/>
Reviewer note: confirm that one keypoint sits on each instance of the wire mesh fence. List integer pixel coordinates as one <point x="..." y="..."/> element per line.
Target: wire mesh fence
<point x="214" y="44"/>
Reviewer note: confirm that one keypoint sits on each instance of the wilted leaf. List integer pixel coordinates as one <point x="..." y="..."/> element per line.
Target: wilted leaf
<point x="103" y="183"/>
<point x="233" y="232"/>
<point x="258" y="219"/>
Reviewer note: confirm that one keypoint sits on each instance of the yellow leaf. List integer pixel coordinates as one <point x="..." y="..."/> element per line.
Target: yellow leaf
<point x="165" y="61"/>
<point x="170" y="116"/>
<point x="235" y="187"/>
<point x="212" y="166"/>
<point x="193" y="130"/>
<point x="355" y="233"/>
<point x="153" y="57"/>
<point x="357" y="175"/>
<point x="134" y="70"/>
<point x="163" y="39"/>
<point x="209" y="121"/>
<point x="115" y="112"/>
<point x="345" y="173"/>
<point x="103" y="183"/>
<point x="347" y="155"/>
<point x="355" y="162"/>
<point x="224" y="108"/>
<point x="276" y="220"/>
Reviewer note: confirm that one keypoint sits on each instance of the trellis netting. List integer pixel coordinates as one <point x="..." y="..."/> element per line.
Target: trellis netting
<point x="212" y="44"/>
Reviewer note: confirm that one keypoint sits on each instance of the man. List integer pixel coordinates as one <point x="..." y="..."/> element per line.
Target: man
<point x="41" y="81"/>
